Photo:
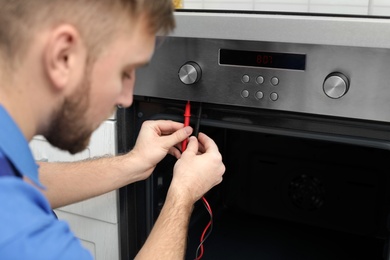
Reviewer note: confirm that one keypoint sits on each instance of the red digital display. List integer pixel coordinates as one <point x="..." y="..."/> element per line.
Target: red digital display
<point x="264" y="59"/>
<point x="274" y="60"/>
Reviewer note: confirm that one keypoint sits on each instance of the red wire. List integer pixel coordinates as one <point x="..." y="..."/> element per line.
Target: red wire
<point x="206" y="228"/>
<point x="187" y="115"/>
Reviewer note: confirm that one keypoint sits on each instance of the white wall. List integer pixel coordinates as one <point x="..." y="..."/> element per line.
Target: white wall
<point x="94" y="221"/>
<point x="354" y="7"/>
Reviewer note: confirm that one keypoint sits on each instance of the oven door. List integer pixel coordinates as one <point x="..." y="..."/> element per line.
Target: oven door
<point x="296" y="186"/>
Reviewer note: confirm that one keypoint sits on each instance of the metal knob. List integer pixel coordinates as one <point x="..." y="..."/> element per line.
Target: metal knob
<point x="336" y="85"/>
<point x="190" y="73"/>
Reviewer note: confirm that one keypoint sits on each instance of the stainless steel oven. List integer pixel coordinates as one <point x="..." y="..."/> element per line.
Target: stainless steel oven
<point x="299" y="106"/>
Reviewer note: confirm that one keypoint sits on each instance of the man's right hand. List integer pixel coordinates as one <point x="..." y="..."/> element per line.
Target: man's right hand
<point x="199" y="169"/>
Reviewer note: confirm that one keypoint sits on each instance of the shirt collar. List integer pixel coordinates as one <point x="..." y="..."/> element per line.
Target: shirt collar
<point x="15" y="147"/>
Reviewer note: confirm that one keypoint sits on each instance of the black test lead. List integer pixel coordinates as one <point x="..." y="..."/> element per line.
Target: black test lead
<point x="206" y="232"/>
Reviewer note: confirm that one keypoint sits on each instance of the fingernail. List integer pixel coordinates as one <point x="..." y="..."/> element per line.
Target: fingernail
<point x="188" y="130"/>
<point x="192" y="137"/>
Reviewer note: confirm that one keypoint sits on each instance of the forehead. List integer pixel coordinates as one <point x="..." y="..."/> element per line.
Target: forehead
<point x="132" y="44"/>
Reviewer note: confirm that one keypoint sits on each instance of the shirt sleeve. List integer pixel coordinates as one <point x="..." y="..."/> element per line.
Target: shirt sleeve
<point x="29" y="230"/>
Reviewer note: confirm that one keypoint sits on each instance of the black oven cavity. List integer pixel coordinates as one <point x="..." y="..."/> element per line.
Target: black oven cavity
<point x="295" y="187"/>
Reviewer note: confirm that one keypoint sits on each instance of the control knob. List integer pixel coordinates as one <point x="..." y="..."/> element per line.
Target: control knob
<point x="336" y="85"/>
<point x="190" y="73"/>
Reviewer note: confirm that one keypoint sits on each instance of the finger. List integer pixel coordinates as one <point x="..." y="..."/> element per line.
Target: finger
<point x="177" y="137"/>
<point x="192" y="145"/>
<point x="167" y="127"/>
<point x="201" y="148"/>
<point x="207" y="143"/>
<point x="174" y="151"/>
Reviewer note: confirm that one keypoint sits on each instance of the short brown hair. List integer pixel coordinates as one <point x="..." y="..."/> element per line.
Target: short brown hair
<point x="96" y="19"/>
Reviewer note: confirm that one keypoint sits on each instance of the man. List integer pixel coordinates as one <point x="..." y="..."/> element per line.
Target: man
<point x="64" y="66"/>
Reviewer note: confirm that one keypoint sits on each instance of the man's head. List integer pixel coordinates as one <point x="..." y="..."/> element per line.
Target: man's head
<point x="96" y="20"/>
<point x="86" y="52"/>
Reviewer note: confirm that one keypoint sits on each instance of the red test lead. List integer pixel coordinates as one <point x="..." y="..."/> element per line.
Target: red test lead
<point x="187" y="116"/>
<point x="207" y="230"/>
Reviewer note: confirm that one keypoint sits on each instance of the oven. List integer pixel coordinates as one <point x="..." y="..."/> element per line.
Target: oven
<point x="299" y="106"/>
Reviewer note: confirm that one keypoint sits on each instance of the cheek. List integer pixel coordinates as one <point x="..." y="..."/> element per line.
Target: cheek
<point x="106" y="87"/>
<point x="106" y="84"/>
<point x="103" y="98"/>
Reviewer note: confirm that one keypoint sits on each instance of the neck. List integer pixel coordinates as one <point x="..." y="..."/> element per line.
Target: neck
<point x="20" y="111"/>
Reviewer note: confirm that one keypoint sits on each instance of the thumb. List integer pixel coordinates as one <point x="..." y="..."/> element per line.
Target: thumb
<point x="193" y="145"/>
<point x="178" y="136"/>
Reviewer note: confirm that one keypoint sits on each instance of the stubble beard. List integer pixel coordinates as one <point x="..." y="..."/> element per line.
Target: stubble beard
<point x="69" y="129"/>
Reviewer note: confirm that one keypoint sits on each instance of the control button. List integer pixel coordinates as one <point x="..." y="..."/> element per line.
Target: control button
<point x="245" y="78"/>
<point x="274" y="96"/>
<point x="260" y="80"/>
<point x="336" y="85"/>
<point x="245" y="93"/>
<point x="190" y="73"/>
<point x="275" y="81"/>
<point x="259" y="95"/>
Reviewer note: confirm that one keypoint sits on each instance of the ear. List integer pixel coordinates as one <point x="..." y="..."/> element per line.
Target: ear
<point x="64" y="56"/>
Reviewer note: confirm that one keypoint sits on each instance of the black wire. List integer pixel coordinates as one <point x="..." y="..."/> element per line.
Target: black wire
<point x="196" y="132"/>
<point x="204" y="240"/>
<point x="210" y="229"/>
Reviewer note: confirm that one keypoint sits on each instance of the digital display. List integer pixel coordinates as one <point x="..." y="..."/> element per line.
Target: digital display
<point x="273" y="60"/>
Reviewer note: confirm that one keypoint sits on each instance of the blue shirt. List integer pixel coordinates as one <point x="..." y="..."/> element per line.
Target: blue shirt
<point x="28" y="228"/>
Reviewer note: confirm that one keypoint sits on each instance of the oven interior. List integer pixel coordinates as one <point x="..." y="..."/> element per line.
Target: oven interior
<point x="295" y="186"/>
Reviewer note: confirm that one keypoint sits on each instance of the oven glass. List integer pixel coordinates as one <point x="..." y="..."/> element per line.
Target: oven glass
<point x="343" y="7"/>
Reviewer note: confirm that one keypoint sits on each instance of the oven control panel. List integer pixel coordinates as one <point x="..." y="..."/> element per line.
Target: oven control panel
<point x="350" y="82"/>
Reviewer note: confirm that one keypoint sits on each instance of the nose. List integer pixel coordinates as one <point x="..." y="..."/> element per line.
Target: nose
<point x="126" y="96"/>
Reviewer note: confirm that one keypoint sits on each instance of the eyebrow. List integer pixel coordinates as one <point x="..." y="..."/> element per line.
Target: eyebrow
<point x="136" y="65"/>
<point x="143" y="64"/>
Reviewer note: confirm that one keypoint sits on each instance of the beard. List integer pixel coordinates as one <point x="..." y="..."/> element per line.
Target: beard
<point x="69" y="129"/>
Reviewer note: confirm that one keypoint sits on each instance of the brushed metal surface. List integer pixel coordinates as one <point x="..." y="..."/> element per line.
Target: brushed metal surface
<point x="307" y="29"/>
<point x="298" y="91"/>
